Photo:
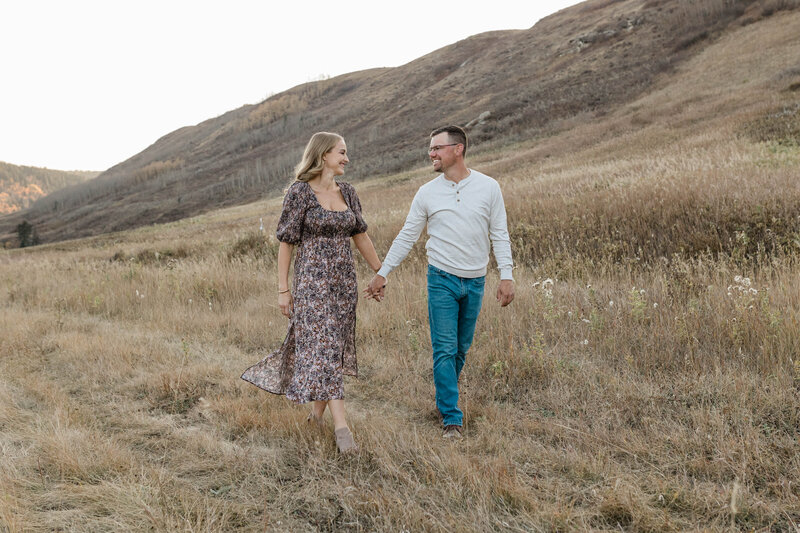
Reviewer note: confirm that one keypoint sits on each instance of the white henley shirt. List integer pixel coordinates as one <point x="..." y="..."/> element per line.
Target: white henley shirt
<point x="462" y="218"/>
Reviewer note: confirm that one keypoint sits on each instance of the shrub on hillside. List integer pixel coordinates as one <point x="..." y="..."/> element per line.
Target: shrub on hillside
<point x="27" y="234"/>
<point x="149" y="256"/>
<point x="256" y="246"/>
<point x="773" y="6"/>
<point x="779" y="125"/>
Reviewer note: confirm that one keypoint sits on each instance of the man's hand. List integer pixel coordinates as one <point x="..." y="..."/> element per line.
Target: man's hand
<point x="505" y="292"/>
<point x="376" y="288"/>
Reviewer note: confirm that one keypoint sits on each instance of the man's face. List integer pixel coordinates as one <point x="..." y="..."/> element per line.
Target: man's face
<point x="442" y="152"/>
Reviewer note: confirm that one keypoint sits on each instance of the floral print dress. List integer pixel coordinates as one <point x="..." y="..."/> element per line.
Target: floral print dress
<point x="320" y="344"/>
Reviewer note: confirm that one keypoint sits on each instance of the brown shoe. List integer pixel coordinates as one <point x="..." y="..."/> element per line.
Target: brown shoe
<point x="344" y="441"/>
<point x="452" y="431"/>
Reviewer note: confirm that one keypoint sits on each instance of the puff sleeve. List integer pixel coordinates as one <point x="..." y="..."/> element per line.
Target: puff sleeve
<point x="355" y="207"/>
<point x="290" y="224"/>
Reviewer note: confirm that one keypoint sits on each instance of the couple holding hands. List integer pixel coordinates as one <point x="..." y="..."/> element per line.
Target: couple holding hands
<point x="464" y="213"/>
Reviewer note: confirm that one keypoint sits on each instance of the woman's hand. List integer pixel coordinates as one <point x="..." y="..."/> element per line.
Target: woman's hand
<point x="286" y="303"/>
<point x="376" y="288"/>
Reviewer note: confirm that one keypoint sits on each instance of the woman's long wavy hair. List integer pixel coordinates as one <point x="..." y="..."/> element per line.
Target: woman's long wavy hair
<point x="320" y="144"/>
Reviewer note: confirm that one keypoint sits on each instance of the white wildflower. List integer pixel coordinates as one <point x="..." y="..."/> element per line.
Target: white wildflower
<point x="546" y="286"/>
<point x="586" y="320"/>
<point x="611" y="303"/>
<point x="585" y="342"/>
<point x="655" y="305"/>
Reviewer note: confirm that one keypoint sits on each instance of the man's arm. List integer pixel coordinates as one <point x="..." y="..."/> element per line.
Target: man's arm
<point x="412" y="228"/>
<point x="501" y="246"/>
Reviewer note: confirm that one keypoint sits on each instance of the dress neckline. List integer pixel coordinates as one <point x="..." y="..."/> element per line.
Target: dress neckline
<point x="314" y="194"/>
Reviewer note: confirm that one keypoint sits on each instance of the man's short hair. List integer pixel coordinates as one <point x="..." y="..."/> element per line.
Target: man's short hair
<point x="455" y="133"/>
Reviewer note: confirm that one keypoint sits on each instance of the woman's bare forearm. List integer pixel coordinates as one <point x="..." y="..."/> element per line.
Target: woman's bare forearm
<point x="367" y="250"/>
<point x="284" y="260"/>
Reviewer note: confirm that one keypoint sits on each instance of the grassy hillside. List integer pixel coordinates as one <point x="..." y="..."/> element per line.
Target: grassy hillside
<point x="573" y="67"/>
<point x="21" y="186"/>
<point x="645" y="379"/>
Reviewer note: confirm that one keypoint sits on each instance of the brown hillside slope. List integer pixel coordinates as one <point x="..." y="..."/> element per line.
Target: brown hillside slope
<point x="571" y="67"/>
<point x="20" y="186"/>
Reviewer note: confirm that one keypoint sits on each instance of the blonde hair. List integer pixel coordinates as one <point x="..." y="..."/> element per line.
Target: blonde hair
<point x="320" y="144"/>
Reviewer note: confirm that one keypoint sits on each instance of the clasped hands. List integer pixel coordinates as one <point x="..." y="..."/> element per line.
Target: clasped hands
<point x="376" y="288"/>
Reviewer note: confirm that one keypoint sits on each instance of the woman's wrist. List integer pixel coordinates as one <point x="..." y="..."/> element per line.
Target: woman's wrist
<point x="282" y="291"/>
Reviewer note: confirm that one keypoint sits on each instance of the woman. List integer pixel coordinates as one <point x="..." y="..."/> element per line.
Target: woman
<point x="319" y="217"/>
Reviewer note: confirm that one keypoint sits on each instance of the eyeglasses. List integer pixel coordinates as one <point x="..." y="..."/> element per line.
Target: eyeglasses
<point x="439" y="147"/>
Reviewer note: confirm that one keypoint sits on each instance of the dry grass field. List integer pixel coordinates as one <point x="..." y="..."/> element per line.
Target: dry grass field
<point x="646" y="378"/>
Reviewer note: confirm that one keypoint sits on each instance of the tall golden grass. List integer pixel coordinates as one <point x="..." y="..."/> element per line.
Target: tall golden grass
<point x="646" y="378"/>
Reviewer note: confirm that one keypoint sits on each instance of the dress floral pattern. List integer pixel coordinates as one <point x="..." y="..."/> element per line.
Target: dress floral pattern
<point x="320" y="345"/>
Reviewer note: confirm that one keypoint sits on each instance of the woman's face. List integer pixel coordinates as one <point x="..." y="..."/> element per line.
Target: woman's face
<point x="336" y="159"/>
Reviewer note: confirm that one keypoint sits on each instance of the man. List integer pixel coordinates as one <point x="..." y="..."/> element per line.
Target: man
<point x="464" y="211"/>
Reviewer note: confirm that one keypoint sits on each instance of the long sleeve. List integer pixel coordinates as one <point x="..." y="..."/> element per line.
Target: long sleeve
<point x="498" y="234"/>
<point x="402" y="244"/>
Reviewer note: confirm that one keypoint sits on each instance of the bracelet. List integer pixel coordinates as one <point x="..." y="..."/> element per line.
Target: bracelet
<point x="281" y="292"/>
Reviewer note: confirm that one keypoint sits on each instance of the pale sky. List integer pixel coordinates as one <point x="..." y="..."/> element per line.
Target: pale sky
<point x="87" y="84"/>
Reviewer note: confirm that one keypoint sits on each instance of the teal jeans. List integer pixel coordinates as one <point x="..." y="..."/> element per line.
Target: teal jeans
<point x="453" y="307"/>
